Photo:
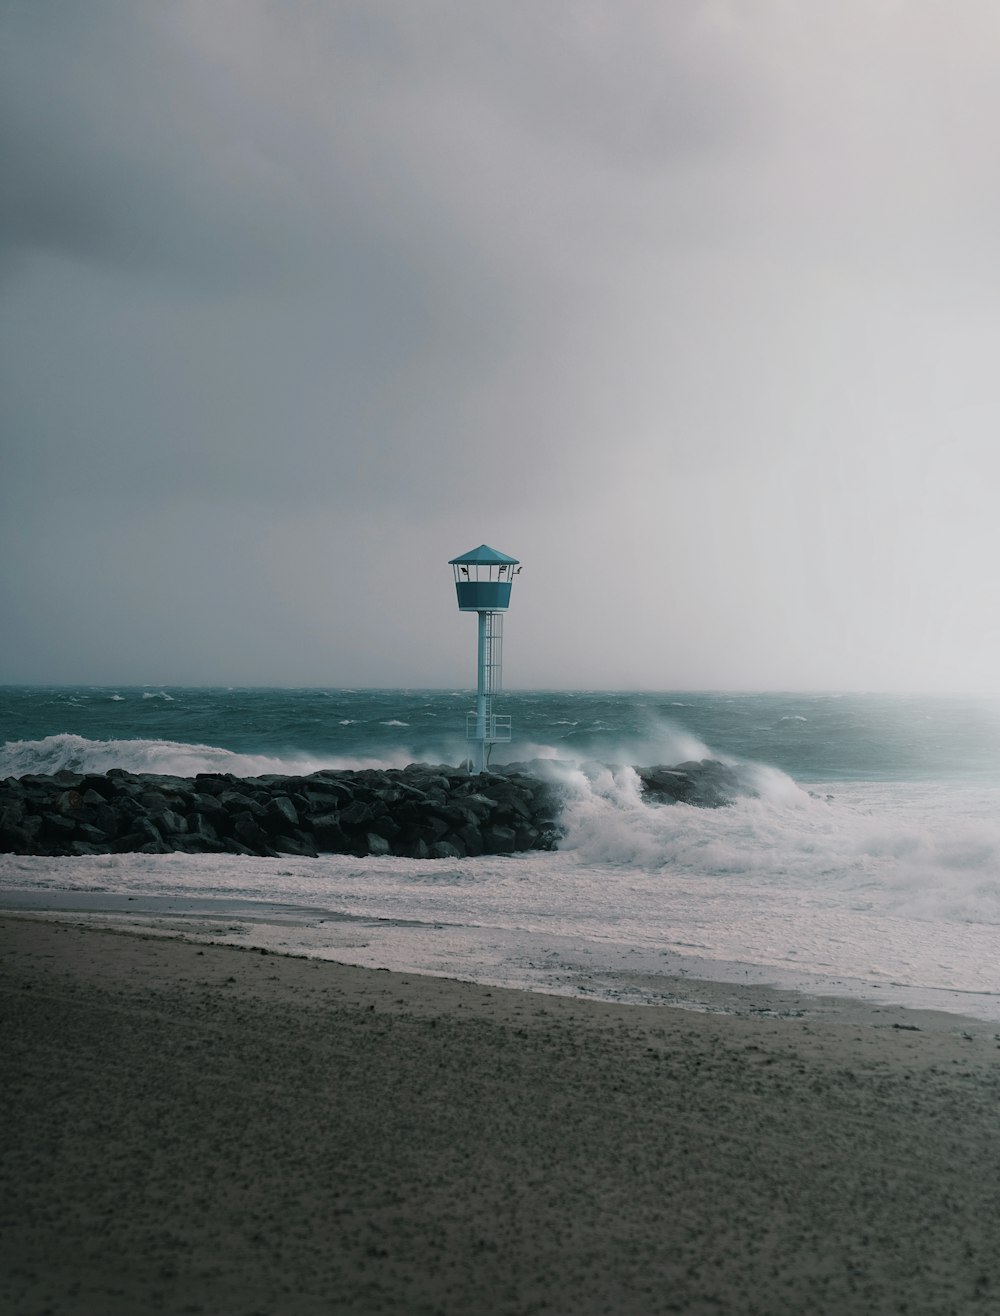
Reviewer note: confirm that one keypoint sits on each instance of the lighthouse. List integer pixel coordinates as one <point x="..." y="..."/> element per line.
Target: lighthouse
<point x="483" y="579"/>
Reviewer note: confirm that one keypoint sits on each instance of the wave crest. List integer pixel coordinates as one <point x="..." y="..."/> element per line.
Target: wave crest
<point x="611" y="816"/>
<point x="18" y="758"/>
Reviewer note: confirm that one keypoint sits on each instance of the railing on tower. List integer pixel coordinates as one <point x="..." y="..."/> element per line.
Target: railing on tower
<point x="497" y="726"/>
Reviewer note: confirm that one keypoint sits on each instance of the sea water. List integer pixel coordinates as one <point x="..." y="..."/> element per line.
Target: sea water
<point x="864" y="858"/>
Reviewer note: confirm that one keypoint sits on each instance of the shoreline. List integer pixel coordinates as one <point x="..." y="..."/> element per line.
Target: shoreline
<point x="204" y="1127"/>
<point x="633" y="990"/>
<point x="495" y="957"/>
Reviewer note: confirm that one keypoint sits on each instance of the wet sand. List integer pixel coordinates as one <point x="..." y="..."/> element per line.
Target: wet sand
<point x="199" y="1128"/>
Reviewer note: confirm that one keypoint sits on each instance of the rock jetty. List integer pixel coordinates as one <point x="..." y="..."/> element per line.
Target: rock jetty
<point x="421" y="811"/>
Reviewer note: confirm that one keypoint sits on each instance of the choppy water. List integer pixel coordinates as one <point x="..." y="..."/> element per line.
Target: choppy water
<point x="810" y="737"/>
<point x="868" y="860"/>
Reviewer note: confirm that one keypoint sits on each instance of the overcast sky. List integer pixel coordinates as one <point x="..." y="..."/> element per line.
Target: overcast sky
<point x="691" y="305"/>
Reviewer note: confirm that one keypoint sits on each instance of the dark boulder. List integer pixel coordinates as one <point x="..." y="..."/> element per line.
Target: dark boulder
<point x="708" y="784"/>
<point x="499" y="839"/>
<point x="212" y="783"/>
<point x="85" y="848"/>
<point x="298" y="844"/>
<point x="385" y="826"/>
<point x="93" y="836"/>
<point x="471" y="838"/>
<point x="99" y="784"/>
<point x="355" y="815"/>
<point x="443" y="850"/>
<point x="236" y="802"/>
<point x="280" y="814"/>
<point x="168" y="822"/>
<point x="199" y="824"/>
<point x="11" y="814"/>
<point x="56" y="827"/>
<point x="147" y="828"/>
<point x="247" y="830"/>
<point x="129" y="843"/>
<point x="377" y="845"/>
<point x="330" y="837"/>
<point x="232" y="846"/>
<point x="106" y="819"/>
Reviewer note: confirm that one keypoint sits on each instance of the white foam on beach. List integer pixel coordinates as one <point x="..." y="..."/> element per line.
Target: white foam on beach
<point x="889" y="891"/>
<point x="884" y="883"/>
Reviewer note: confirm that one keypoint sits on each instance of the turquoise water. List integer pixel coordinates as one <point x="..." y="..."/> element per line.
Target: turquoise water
<point x="811" y="737"/>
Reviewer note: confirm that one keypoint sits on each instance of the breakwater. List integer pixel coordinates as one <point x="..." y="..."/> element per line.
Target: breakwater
<point x="421" y="811"/>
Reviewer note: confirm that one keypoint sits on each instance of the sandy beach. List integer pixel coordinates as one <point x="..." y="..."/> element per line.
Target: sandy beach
<point x="199" y="1128"/>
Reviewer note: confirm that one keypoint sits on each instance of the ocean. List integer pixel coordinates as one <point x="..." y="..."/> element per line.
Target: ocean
<point x="863" y="861"/>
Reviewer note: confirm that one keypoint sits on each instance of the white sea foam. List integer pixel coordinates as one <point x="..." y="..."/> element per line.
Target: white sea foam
<point x="606" y="819"/>
<point x="889" y="880"/>
<point x="881" y="885"/>
<point x="607" y="796"/>
<point x="78" y="754"/>
<point x="883" y="881"/>
<point x="926" y="853"/>
<point x="660" y="742"/>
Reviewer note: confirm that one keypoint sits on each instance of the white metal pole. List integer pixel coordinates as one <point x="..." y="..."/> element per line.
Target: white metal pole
<point x="482" y="689"/>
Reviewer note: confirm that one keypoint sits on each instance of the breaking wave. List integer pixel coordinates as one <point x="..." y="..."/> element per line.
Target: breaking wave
<point x="610" y="817"/>
<point x="919" y="851"/>
<point x="887" y="849"/>
<point x="168" y="757"/>
<point x="926" y="851"/>
<point x="659" y="744"/>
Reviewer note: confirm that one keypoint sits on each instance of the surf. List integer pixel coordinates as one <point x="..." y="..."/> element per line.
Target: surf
<point x="73" y="753"/>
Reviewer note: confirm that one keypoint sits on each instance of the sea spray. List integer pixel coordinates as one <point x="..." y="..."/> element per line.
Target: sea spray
<point x="78" y="754"/>
<point x="866" y="847"/>
<point x="821" y="896"/>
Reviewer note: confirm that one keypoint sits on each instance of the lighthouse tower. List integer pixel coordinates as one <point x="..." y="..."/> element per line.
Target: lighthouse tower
<point x="483" y="578"/>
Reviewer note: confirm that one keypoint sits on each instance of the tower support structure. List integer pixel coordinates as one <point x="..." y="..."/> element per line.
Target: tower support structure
<point x="483" y="579"/>
<point x="485" y="727"/>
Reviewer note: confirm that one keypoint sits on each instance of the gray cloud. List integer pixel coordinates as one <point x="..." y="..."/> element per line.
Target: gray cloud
<point x="300" y="300"/>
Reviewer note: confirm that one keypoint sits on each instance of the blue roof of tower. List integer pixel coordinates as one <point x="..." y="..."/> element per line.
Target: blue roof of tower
<point x="483" y="556"/>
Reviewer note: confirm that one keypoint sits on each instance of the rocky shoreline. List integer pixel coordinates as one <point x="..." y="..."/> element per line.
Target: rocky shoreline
<point x="420" y="812"/>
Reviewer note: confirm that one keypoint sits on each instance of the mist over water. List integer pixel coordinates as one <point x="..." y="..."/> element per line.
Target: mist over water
<point x="862" y="843"/>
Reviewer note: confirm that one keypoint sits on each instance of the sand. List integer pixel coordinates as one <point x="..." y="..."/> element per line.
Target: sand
<point x="198" y="1128"/>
